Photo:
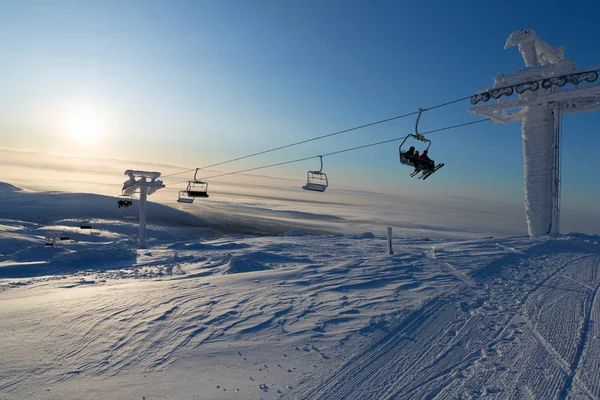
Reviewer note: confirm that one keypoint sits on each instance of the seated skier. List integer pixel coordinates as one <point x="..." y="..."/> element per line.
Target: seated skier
<point x="426" y="163"/>
<point x="410" y="154"/>
<point x="417" y="161"/>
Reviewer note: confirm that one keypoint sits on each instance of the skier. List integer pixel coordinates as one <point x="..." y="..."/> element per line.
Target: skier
<point x="426" y="162"/>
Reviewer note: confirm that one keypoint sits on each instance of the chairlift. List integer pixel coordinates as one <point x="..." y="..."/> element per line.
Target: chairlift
<point x="421" y="168"/>
<point x="49" y="241"/>
<point x="124" y="201"/>
<point x="195" y="188"/>
<point x="85" y="224"/>
<point x="184" y="197"/>
<point x="130" y="214"/>
<point x="316" y="180"/>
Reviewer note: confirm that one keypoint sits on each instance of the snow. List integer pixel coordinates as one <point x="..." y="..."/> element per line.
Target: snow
<point x="208" y="313"/>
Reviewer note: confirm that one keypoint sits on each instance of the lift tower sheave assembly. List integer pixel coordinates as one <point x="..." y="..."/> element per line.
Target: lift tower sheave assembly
<point x="145" y="183"/>
<point x="550" y="85"/>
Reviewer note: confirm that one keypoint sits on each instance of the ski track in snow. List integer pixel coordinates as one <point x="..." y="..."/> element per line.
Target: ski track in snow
<point x="297" y="317"/>
<point x="525" y="330"/>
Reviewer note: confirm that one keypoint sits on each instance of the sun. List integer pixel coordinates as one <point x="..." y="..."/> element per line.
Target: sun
<point x="85" y="127"/>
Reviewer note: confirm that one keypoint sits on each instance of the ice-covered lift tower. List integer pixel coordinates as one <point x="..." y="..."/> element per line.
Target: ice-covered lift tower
<point x="145" y="183"/>
<point x="550" y="85"/>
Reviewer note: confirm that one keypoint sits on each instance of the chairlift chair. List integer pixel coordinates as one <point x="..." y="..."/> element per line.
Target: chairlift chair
<point x="197" y="188"/>
<point x="124" y="201"/>
<point x="130" y="214"/>
<point x="403" y="158"/>
<point x="85" y="224"/>
<point x="49" y="241"/>
<point x="184" y="197"/>
<point x="316" y="181"/>
<point x="63" y="236"/>
<point x="420" y="169"/>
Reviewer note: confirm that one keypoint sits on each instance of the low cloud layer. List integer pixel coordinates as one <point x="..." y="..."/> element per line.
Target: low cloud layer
<point x="276" y="204"/>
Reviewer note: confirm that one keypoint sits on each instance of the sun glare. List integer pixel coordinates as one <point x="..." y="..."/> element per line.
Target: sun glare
<point x="85" y="127"/>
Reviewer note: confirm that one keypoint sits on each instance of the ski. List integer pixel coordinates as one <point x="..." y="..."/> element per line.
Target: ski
<point x="432" y="172"/>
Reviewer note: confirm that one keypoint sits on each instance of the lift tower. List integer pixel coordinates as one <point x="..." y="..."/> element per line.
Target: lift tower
<point x="145" y="183"/>
<point x="549" y="86"/>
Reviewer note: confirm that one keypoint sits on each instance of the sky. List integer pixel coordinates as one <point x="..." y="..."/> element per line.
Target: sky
<point x="192" y="83"/>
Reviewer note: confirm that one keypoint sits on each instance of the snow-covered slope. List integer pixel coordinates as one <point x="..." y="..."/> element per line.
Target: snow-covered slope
<point x="210" y="316"/>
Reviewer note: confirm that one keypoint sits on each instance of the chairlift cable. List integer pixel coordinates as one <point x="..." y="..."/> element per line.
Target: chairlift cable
<point x="313" y="139"/>
<point x="337" y="152"/>
<point x="319" y="137"/>
<point x="593" y="69"/>
<point x="446" y="104"/>
<point x="178" y="173"/>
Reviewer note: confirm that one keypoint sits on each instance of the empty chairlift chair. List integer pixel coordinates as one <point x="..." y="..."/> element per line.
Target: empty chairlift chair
<point x="49" y="241"/>
<point x="85" y="224"/>
<point x="316" y="180"/>
<point x="184" y="197"/>
<point x="194" y="189"/>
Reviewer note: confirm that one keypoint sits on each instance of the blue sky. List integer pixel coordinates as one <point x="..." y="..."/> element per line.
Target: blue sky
<point x="198" y="82"/>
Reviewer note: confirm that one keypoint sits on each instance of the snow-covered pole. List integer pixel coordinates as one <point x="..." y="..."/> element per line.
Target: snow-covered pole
<point x="142" y="230"/>
<point x="549" y="86"/>
<point x="146" y="183"/>
<point x="389" y="240"/>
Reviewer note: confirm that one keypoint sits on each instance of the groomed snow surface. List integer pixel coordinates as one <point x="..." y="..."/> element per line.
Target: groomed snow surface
<point x="203" y="315"/>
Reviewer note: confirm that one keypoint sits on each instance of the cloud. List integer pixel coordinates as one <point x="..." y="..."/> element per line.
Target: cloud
<point x="279" y="203"/>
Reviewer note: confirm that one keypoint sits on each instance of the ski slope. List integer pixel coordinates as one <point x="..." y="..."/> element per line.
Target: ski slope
<point x="210" y="315"/>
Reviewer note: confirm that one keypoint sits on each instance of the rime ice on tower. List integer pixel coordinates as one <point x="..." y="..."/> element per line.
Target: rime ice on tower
<point x="145" y="183"/>
<point x="550" y="85"/>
